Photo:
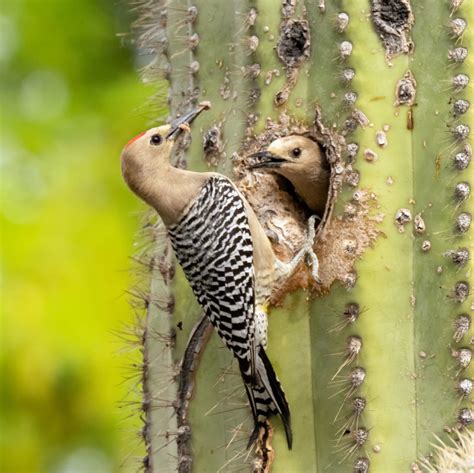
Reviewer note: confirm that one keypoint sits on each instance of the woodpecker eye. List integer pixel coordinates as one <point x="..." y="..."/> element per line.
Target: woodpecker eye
<point x="296" y="152"/>
<point x="156" y="140"/>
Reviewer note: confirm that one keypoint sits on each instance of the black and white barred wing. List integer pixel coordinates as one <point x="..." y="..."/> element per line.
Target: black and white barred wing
<point x="213" y="245"/>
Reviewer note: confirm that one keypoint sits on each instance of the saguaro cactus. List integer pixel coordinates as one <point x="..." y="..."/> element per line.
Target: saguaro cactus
<point x="376" y="359"/>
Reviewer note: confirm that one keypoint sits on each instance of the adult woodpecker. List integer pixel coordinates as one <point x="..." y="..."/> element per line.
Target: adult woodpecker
<point x="300" y="160"/>
<point x="224" y="252"/>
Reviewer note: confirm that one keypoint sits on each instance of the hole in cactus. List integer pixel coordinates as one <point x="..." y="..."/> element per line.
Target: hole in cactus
<point x="293" y="50"/>
<point x="212" y="145"/>
<point x="294" y="44"/>
<point x="393" y="20"/>
<point x="283" y="201"/>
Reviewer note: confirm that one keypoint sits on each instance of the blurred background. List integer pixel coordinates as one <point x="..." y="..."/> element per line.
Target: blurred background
<point x="70" y="98"/>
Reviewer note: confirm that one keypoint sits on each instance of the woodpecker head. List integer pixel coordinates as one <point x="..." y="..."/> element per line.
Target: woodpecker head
<point x="300" y="160"/>
<point x="146" y="156"/>
<point x="289" y="155"/>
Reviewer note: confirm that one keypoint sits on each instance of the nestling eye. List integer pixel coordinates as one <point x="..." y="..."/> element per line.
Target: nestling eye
<point x="156" y="140"/>
<point x="296" y="152"/>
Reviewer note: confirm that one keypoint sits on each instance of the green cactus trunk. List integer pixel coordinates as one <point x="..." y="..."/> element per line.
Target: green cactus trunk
<point x="376" y="360"/>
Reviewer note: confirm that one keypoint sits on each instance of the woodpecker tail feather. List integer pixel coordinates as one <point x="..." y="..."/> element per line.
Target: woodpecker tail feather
<point x="268" y="398"/>
<point x="274" y="389"/>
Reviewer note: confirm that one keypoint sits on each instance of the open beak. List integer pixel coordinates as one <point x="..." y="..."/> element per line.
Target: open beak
<point x="266" y="160"/>
<point x="183" y="122"/>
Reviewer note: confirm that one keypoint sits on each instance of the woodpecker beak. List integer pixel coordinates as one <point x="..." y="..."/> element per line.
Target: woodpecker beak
<point x="183" y="122"/>
<point x="266" y="160"/>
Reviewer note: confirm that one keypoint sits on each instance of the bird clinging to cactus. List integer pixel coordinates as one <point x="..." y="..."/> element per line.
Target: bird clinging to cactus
<point x="223" y="251"/>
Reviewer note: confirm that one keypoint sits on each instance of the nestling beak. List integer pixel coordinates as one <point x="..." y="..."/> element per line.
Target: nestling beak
<point x="183" y="122"/>
<point x="266" y="160"/>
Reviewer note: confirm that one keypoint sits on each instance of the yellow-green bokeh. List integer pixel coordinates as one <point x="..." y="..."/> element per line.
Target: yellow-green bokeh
<point x="70" y="98"/>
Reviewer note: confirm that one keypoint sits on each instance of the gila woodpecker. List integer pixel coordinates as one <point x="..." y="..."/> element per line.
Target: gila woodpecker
<point x="301" y="161"/>
<point x="224" y="253"/>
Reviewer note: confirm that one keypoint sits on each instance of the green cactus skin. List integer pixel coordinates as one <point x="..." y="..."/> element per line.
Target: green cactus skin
<point x="404" y="287"/>
<point x="160" y="420"/>
<point x="435" y="178"/>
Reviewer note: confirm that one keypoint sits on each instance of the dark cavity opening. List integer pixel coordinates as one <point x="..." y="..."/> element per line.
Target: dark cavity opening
<point x="391" y="13"/>
<point x="393" y="20"/>
<point x="294" y="44"/>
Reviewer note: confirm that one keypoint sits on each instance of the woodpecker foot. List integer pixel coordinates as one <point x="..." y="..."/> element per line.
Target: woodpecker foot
<point x="306" y="254"/>
<point x="309" y="255"/>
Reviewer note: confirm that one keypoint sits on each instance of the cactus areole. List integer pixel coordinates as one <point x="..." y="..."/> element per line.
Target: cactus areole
<point x="376" y="353"/>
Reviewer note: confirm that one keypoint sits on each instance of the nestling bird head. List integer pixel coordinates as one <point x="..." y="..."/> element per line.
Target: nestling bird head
<point x="146" y="157"/>
<point x="289" y="153"/>
<point x="301" y="161"/>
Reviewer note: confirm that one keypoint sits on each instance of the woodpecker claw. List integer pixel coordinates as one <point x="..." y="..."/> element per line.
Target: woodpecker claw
<point x="312" y="261"/>
<point x="306" y="254"/>
<point x="310" y="256"/>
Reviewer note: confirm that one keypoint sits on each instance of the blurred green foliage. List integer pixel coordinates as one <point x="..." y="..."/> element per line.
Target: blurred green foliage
<point x="70" y="98"/>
